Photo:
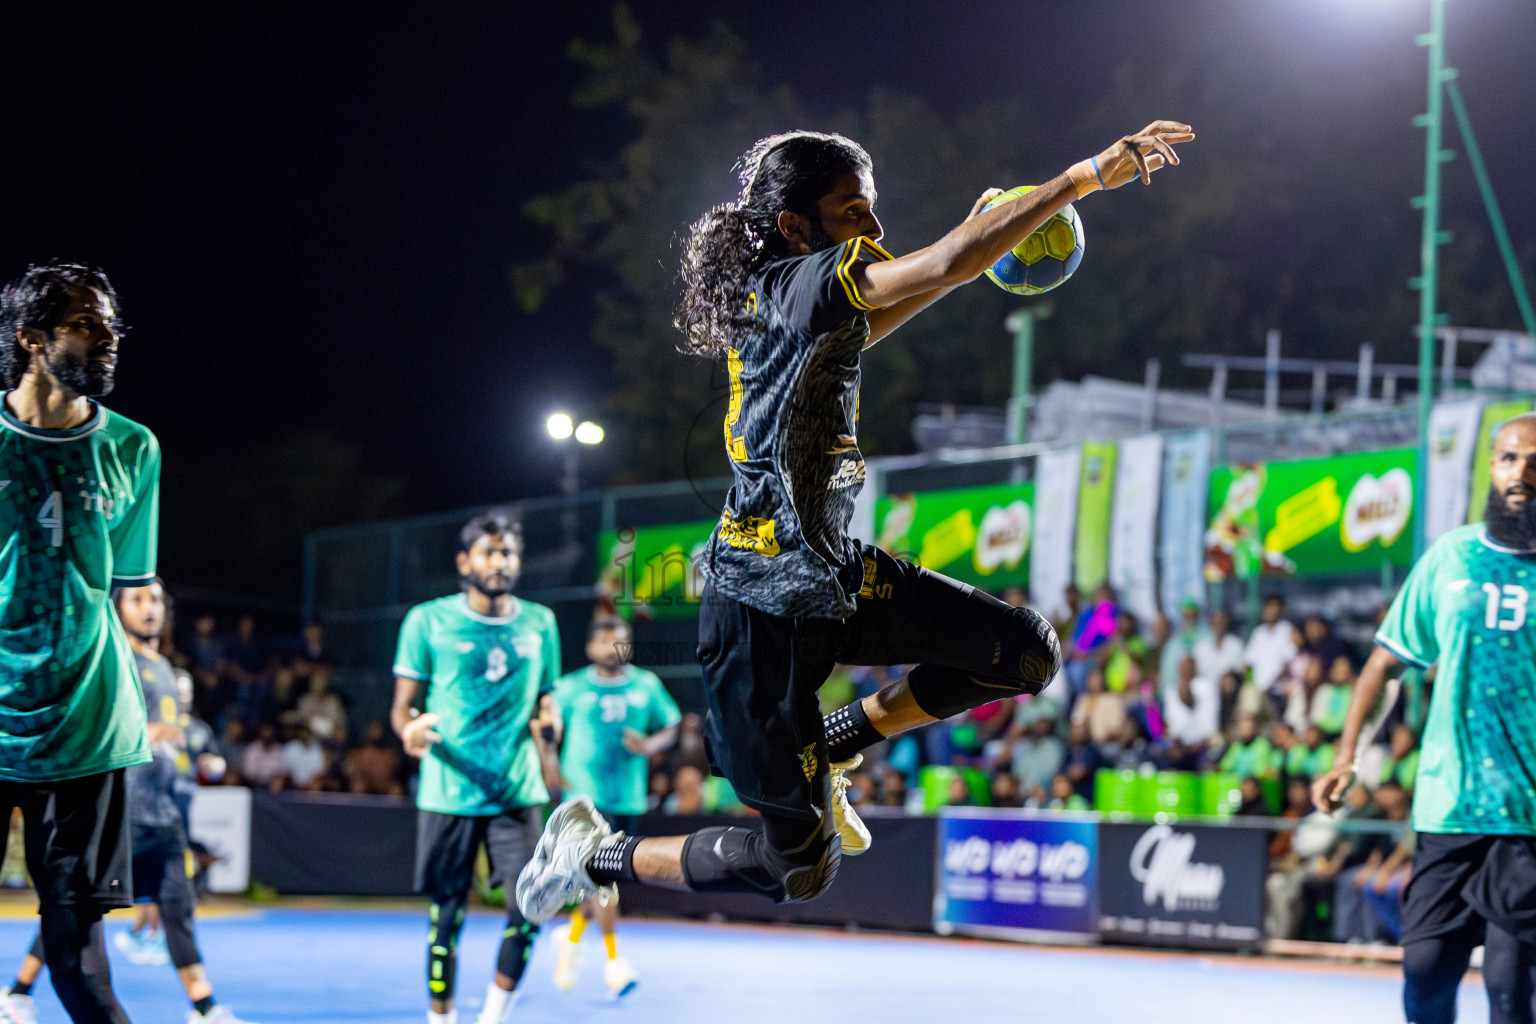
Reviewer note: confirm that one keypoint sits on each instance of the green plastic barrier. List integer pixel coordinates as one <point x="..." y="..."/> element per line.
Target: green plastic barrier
<point x="1177" y="793"/>
<point x="935" y="779"/>
<point x="1115" y="790"/>
<point x="1221" y="793"/>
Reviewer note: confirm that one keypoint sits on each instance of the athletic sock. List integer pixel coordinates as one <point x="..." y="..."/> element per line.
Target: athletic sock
<point x="498" y="1003"/>
<point x="611" y="944"/>
<point x="20" y="988"/>
<point x="204" y="1004"/>
<point x="848" y="732"/>
<point x="578" y="925"/>
<point x="451" y="1017"/>
<point x="614" y="863"/>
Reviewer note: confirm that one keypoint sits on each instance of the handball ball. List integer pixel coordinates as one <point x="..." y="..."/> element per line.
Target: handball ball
<point x="1044" y="259"/>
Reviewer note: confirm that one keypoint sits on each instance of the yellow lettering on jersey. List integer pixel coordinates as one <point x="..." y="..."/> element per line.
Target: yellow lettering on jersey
<point x="872" y="587"/>
<point x="735" y="447"/>
<point x="808" y="762"/>
<point x="750" y="533"/>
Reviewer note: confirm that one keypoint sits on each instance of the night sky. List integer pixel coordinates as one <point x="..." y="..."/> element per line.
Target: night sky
<point x="311" y="208"/>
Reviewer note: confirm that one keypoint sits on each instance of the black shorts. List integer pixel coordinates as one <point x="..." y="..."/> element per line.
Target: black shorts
<point x="76" y="836"/>
<point x="1462" y="882"/>
<point x="446" y="845"/>
<point x="762" y="672"/>
<point x="160" y="864"/>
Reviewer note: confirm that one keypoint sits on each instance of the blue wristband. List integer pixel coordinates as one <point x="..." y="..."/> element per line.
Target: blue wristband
<point x="1098" y="175"/>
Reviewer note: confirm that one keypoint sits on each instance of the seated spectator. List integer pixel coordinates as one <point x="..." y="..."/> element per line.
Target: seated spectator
<point x="1330" y="703"/>
<point x="1064" y="797"/>
<point x="1132" y="749"/>
<point x="660" y="788"/>
<point x="1286" y="868"/>
<point x="249" y="665"/>
<point x="689" y="749"/>
<point x="1182" y="638"/>
<point x="861" y="788"/>
<point x="1192" y="713"/>
<point x="1037" y="755"/>
<point x="1124" y="655"/>
<point x="687" y="792"/>
<point x="1005" y="791"/>
<point x="1249" y="753"/>
<point x="1102" y="713"/>
<point x="1362" y="854"/>
<point x="305" y="759"/>
<point x="207" y="655"/>
<point x="1290" y="756"/>
<point x="262" y="763"/>
<point x="374" y="768"/>
<point x="1307" y="676"/>
<point x="1082" y="760"/>
<point x="1384" y="892"/>
<point x="1253" y="804"/>
<point x="891" y="787"/>
<point x="1401" y="765"/>
<point x="1319" y="752"/>
<point x="958" y="793"/>
<point x="1321" y="641"/>
<point x="1218" y="651"/>
<point x="321" y="710"/>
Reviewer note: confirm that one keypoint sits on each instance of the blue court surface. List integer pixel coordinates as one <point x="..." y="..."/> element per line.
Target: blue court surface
<point x="313" y="966"/>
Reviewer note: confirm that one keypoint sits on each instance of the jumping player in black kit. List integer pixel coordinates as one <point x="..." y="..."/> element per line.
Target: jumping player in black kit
<point x="787" y="286"/>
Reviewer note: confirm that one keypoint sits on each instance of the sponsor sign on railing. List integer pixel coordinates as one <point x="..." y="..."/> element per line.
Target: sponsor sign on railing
<point x="1178" y="885"/>
<point x="1008" y="875"/>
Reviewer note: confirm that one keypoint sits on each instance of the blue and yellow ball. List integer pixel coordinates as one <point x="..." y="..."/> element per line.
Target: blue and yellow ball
<point x="1044" y="259"/>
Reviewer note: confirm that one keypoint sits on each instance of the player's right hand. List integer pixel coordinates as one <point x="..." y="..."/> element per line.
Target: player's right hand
<point x="417" y="737"/>
<point x="1137" y="156"/>
<point x="1329" y="788"/>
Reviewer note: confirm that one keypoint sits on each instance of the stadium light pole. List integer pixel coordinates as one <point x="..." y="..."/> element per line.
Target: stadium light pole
<point x="563" y="430"/>
<point x="1021" y="323"/>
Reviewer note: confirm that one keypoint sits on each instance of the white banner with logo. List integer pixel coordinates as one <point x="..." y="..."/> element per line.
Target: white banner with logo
<point x="1452" y="439"/>
<point x="1185" y="493"/>
<point x="1050" y="566"/>
<point x="221" y="821"/>
<point x="1133" y="528"/>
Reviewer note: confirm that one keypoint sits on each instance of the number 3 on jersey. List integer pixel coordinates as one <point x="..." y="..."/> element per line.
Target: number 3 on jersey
<point x="1506" y="606"/>
<point x="496" y="665"/>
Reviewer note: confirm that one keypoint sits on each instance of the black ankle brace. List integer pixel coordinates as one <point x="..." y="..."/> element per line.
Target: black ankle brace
<point x="614" y="863"/>
<point x="848" y="732"/>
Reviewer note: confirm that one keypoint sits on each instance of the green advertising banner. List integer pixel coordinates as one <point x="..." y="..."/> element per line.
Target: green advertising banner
<point x="652" y="572"/>
<point x="1095" y="507"/>
<point x="979" y="535"/>
<point x="1345" y="513"/>
<point x="1495" y="415"/>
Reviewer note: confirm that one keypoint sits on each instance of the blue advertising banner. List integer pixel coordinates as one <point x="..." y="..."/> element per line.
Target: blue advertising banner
<point x="1007" y="875"/>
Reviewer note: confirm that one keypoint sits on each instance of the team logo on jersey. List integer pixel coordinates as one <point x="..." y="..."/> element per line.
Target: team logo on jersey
<point x="749" y="533"/>
<point x="850" y="473"/>
<point x="526" y="646"/>
<point x="808" y="761"/>
<point x="464" y="646"/>
<point x="872" y="586"/>
<point x="845" y="443"/>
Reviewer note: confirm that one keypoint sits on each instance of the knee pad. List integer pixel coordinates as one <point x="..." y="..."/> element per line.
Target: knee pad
<point x="742" y="860"/>
<point x="447" y="917"/>
<point x="516" y="945"/>
<point x="1040" y="657"/>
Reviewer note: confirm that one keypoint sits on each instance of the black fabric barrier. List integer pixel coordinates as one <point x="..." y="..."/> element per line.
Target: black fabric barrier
<point x="333" y="844"/>
<point x="1182" y="885"/>
<point x="890" y="886"/>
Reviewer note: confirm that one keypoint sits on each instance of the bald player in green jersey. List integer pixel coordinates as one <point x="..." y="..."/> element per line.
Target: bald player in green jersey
<point x="1466" y="608"/>
<point x="79" y="497"/>
<point x="487" y="662"/>
<point x="615" y="716"/>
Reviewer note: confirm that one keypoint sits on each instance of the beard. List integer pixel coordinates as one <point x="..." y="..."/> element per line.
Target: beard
<point x="1512" y="527"/>
<point x="90" y="378"/>
<point x="497" y="585"/>
<point x="820" y="240"/>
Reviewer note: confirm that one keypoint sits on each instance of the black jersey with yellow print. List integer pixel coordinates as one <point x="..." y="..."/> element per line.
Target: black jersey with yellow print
<point x="782" y="544"/>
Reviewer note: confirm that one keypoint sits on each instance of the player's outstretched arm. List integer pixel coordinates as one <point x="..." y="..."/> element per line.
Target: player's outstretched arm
<point x="1329" y="788"/>
<point x="979" y="242"/>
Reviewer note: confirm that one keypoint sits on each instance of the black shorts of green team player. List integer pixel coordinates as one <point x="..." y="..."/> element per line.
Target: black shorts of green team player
<point x="1462" y="883"/>
<point x="446" y="846"/>
<point x="76" y="836"/>
<point x="762" y="672"/>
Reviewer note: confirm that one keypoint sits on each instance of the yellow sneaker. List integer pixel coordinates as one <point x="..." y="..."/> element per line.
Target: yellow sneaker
<point x="855" y="835"/>
<point x="621" y="978"/>
<point x="567" y="959"/>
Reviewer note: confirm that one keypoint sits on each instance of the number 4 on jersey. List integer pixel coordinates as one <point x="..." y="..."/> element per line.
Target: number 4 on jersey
<point x="51" y="517"/>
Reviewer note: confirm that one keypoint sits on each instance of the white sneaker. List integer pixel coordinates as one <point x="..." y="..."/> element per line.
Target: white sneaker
<point x="556" y="876"/>
<point x="220" y="1014"/>
<point x="567" y="959"/>
<point x="621" y="978"/>
<point x="143" y="948"/>
<point x="850" y="826"/>
<point x="16" y="1009"/>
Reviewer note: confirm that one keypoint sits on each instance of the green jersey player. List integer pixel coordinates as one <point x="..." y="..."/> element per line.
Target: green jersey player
<point x="487" y="662"/>
<point x="79" y="490"/>
<point x="1465" y="608"/>
<point x="615" y="717"/>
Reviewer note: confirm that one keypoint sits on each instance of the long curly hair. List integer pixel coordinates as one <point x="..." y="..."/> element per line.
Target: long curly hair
<point x="733" y="241"/>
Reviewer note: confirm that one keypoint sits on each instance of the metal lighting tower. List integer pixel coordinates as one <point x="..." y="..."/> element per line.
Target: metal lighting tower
<point x="1429" y="249"/>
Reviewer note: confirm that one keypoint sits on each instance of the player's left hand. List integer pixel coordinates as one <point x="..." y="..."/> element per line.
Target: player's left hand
<point x="634" y="742"/>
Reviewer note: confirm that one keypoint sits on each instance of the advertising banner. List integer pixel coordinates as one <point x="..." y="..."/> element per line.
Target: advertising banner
<point x="1452" y="437"/>
<point x="1056" y="478"/>
<point x="1343" y="513"/>
<point x="1185" y="491"/>
<point x="979" y="535"/>
<point x="652" y="572"/>
<point x="1006" y="875"/>
<point x="1133" y="529"/>
<point x="1495" y="415"/>
<point x="1182" y="886"/>
<point x="221" y="821"/>
<point x="1095" y="503"/>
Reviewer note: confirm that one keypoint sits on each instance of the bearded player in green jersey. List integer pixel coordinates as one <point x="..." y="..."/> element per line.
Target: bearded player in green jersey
<point x="1465" y="607"/>
<point x="488" y="662"/>
<point x="615" y="716"/>
<point x="79" y="490"/>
